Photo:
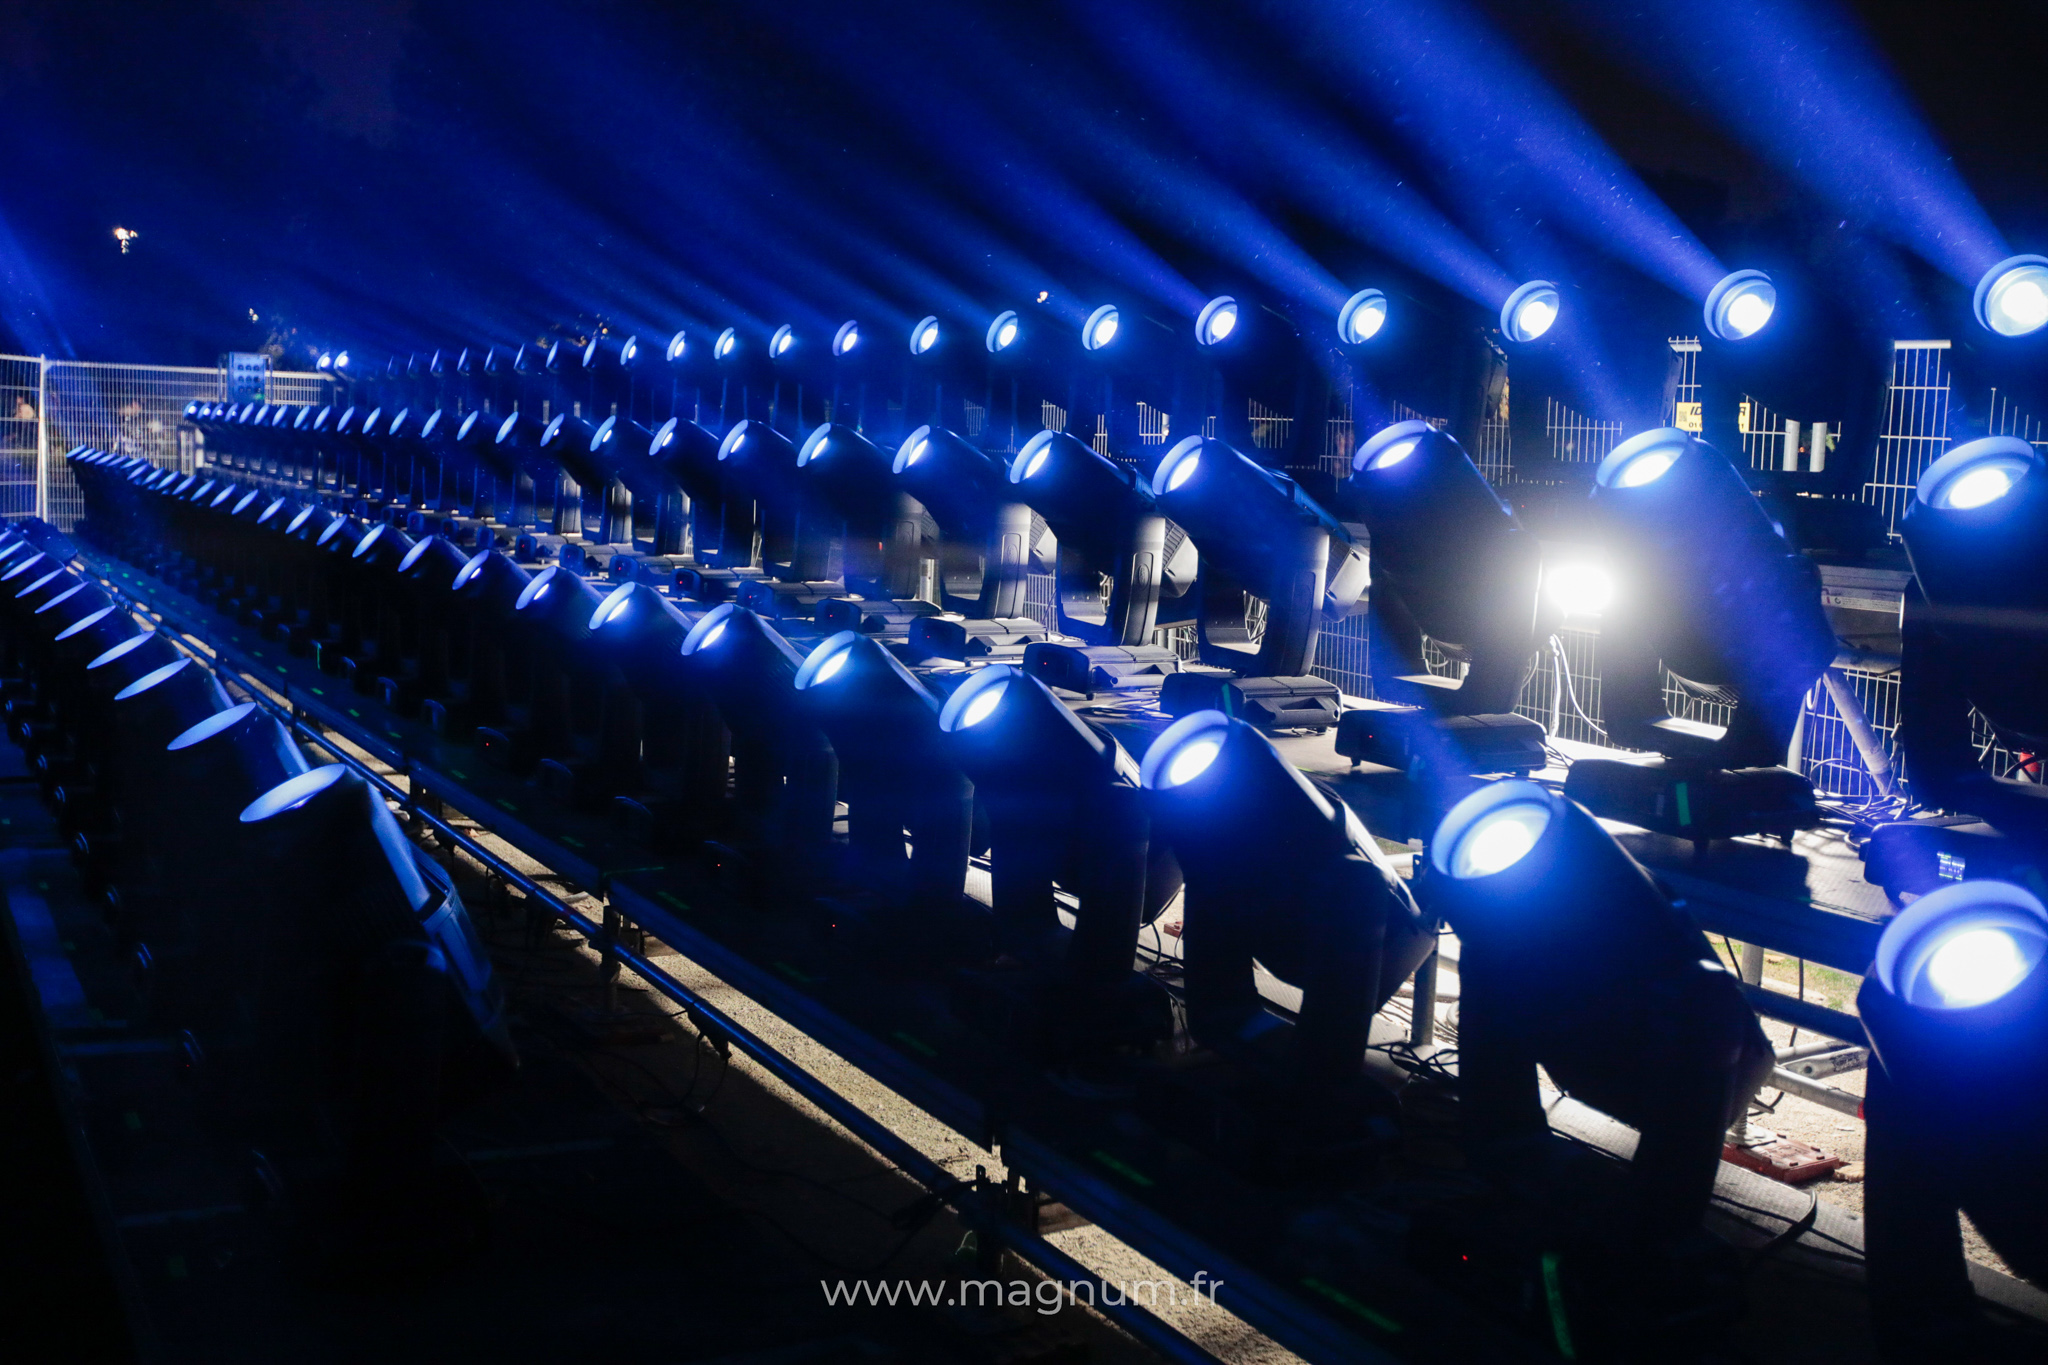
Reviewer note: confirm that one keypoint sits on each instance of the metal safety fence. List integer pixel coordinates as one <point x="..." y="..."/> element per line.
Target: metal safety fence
<point x="49" y="406"/>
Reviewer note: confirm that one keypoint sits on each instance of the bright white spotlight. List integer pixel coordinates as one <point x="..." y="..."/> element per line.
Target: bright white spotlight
<point x="1976" y="473"/>
<point x="1179" y="465"/>
<point x="341" y="361"/>
<point x="1100" y="329"/>
<point x="924" y="336"/>
<point x="1393" y="454"/>
<point x="783" y="339"/>
<point x="1530" y="311"/>
<point x="1972" y="966"/>
<point x="984" y="704"/>
<point x="676" y="345"/>
<point x="1193" y="759"/>
<point x="1499" y="839"/>
<point x="1218" y="319"/>
<point x="2012" y="298"/>
<point x="1741" y="304"/>
<point x="728" y="342"/>
<point x="629" y="352"/>
<point x="831" y="666"/>
<point x="915" y="448"/>
<point x="612" y="606"/>
<point x="1643" y="459"/>
<point x="846" y="338"/>
<point x="1002" y="332"/>
<point x="1579" y="589"/>
<point x="1032" y="457"/>
<point x="1362" y="316"/>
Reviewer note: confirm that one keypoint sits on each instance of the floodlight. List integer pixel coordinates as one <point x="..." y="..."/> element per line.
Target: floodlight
<point x="721" y="527"/>
<point x="1101" y="327"/>
<point x="1064" y="807"/>
<point x="924" y="336"/>
<point x="1974" y="533"/>
<point x="784" y="773"/>
<point x="1741" y="305"/>
<point x="1003" y="332"/>
<point x="1278" y="874"/>
<point x="795" y="538"/>
<point x="1216" y="321"/>
<point x="1362" y="317"/>
<point x="677" y="348"/>
<point x="1260" y="536"/>
<point x="1579" y="589"/>
<point x="1956" y="1006"/>
<point x="1709" y="592"/>
<point x="781" y="342"/>
<point x="1530" y="311"/>
<point x="1574" y="960"/>
<point x="2012" y="298"/>
<point x="884" y="529"/>
<point x="894" y="774"/>
<point x="727" y="344"/>
<point x="846" y="338"/>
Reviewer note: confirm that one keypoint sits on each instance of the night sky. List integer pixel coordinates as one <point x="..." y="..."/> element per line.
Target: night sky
<point x="392" y="175"/>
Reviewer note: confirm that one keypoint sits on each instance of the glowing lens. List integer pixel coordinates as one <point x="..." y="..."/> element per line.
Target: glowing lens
<point x="1579" y="589"/>
<point x="1183" y="470"/>
<point x="1037" y="461"/>
<point x="1499" y="839"/>
<point x="830" y="668"/>
<point x="2025" y="302"/>
<point x="1534" y="317"/>
<point x="1647" y="467"/>
<point x="1218" y="321"/>
<point x="1747" y="313"/>
<point x="1193" y="760"/>
<point x="1394" y="454"/>
<point x="1973" y="966"/>
<point x="712" y="638"/>
<point x="916" y="451"/>
<point x="1101" y="328"/>
<point x="984" y="704"/>
<point x="1005" y="334"/>
<point x="1976" y="487"/>
<point x="927" y="337"/>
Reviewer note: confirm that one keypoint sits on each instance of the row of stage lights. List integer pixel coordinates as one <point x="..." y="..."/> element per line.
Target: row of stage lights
<point x="1958" y="973"/>
<point x="2011" y="300"/>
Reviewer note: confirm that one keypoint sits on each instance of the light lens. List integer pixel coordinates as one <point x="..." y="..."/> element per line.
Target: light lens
<point x="1217" y="321"/>
<point x="2012" y="298"/>
<point x="728" y="341"/>
<point x="1741" y="305"/>
<point x="1530" y="311"/>
<point x="924" y="336"/>
<point x="916" y="451"/>
<point x="1986" y="483"/>
<point x="1183" y="471"/>
<point x="1101" y="327"/>
<point x="1647" y="467"/>
<point x="780" y="343"/>
<point x="676" y="344"/>
<point x="1192" y="759"/>
<point x="1643" y="458"/>
<point x="610" y="609"/>
<point x="984" y="704"/>
<point x="1363" y="315"/>
<point x="847" y="337"/>
<point x="711" y="636"/>
<point x="1976" y="473"/>
<point x="1579" y="589"/>
<point x="830" y="668"/>
<point x="1748" y="312"/>
<point x="1499" y="839"/>
<point x="292" y="793"/>
<point x="1006" y="334"/>
<point x="1393" y="454"/>
<point x="1972" y="966"/>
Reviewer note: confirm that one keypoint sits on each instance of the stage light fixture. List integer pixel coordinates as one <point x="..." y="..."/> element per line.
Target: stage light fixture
<point x="782" y="341"/>
<point x="2012" y="297"/>
<point x="1741" y="305"/>
<point x="893" y="773"/>
<point x="924" y="336"/>
<point x="728" y="342"/>
<point x="1974" y="534"/>
<point x="1956" y="1005"/>
<point x="1362" y="317"/>
<point x="1574" y="960"/>
<point x="1530" y="311"/>
<point x="677" y="348"/>
<point x="1278" y="874"/>
<point x="784" y="773"/>
<point x="846" y="338"/>
<point x="1260" y="535"/>
<point x="1216" y="321"/>
<point x="1710" y="592"/>
<point x="1002" y="332"/>
<point x="984" y="549"/>
<point x="1101" y="327"/>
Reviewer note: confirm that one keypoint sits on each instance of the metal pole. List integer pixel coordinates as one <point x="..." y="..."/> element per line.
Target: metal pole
<point x="43" y="437"/>
<point x="1868" y="748"/>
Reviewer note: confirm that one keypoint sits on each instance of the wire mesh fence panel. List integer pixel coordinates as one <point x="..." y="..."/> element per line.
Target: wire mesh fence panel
<point x="303" y="387"/>
<point x="21" y="399"/>
<point x="1341" y="655"/>
<point x="1683" y="410"/>
<point x="1562" y="692"/>
<point x="1915" y="427"/>
<point x="2009" y="419"/>
<point x="1828" y="756"/>
<point x="1496" y="453"/>
<point x="128" y="409"/>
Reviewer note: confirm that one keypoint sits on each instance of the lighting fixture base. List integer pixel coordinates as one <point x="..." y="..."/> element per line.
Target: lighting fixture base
<point x="1691" y="802"/>
<point x="1271" y="704"/>
<point x="943" y="637"/>
<point x="890" y="618"/>
<point x="1056" y="1019"/>
<point x="1914" y="857"/>
<point x="1088" y="668"/>
<point x="1400" y="737"/>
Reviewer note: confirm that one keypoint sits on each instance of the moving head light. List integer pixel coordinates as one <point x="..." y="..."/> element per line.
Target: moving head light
<point x="1260" y="536"/>
<point x="1572" y="959"/>
<point x="985" y="531"/>
<point x="1956" y="1005"/>
<point x="1706" y="589"/>
<point x="1278" y="873"/>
